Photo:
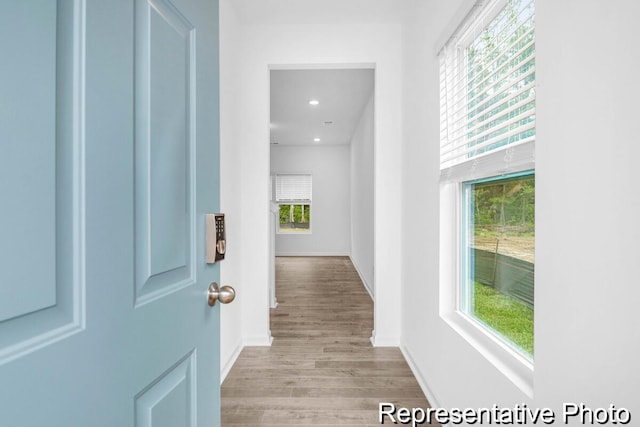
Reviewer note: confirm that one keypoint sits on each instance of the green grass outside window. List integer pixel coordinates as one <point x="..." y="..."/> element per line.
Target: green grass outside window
<point x="507" y="316"/>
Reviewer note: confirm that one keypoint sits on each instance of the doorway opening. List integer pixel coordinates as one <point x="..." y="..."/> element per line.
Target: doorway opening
<point x="321" y="130"/>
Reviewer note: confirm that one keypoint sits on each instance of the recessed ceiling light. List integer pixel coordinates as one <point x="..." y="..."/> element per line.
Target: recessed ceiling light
<point x="316" y="139"/>
<point x="314" y="102"/>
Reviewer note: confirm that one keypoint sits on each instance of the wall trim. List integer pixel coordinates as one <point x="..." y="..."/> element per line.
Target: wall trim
<point x="226" y="367"/>
<point x="347" y="254"/>
<point x="382" y="341"/>
<point x="367" y="286"/>
<point x="422" y="382"/>
<point x="257" y="341"/>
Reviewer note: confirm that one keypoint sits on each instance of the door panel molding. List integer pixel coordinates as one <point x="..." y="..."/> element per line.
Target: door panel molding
<point x="165" y="164"/>
<point x="170" y="399"/>
<point x="83" y="351"/>
<point x="61" y="313"/>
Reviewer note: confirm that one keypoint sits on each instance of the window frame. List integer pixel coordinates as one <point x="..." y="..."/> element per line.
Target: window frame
<point x="294" y="233"/>
<point x="293" y="202"/>
<point x="512" y="363"/>
<point x="466" y="226"/>
<point x="517" y="367"/>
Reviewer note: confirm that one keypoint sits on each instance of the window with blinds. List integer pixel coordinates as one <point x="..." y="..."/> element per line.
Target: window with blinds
<point x="293" y="188"/>
<point x="487" y="177"/>
<point x="293" y="195"/>
<point x="487" y="92"/>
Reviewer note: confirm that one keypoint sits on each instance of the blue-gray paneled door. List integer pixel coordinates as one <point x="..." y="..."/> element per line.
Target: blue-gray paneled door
<point x="109" y="127"/>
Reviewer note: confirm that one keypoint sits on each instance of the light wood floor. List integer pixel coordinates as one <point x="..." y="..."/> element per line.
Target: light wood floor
<point x="321" y="368"/>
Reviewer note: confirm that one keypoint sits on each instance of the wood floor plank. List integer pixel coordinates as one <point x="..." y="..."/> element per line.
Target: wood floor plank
<point x="321" y="369"/>
<point x="307" y="382"/>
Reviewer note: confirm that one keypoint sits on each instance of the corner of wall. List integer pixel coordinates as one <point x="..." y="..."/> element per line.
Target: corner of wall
<point x="422" y="382"/>
<point x="366" y="284"/>
<point x="380" y="340"/>
<point x="258" y="340"/>
<point x="226" y="365"/>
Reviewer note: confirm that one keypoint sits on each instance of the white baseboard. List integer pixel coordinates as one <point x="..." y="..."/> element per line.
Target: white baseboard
<point x="422" y="382"/>
<point x="381" y="341"/>
<point x="367" y="286"/>
<point x="258" y="340"/>
<point x="312" y="254"/>
<point x="226" y="366"/>
<point x="254" y="341"/>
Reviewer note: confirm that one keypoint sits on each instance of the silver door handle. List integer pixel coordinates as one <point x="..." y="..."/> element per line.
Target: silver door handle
<point x="225" y="294"/>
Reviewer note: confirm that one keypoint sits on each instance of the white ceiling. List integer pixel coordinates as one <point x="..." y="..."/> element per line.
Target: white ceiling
<point x="342" y="93"/>
<point x="318" y="11"/>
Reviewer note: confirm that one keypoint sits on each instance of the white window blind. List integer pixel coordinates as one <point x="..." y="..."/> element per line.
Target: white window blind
<point x="487" y="91"/>
<point x="293" y="187"/>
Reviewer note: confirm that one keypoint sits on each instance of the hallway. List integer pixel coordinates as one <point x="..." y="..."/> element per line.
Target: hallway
<point x="321" y="368"/>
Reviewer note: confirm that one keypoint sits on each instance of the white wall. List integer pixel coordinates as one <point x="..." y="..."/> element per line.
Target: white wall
<point x="305" y="35"/>
<point x="330" y="206"/>
<point x="587" y="230"/>
<point x="231" y="269"/>
<point x="362" y="197"/>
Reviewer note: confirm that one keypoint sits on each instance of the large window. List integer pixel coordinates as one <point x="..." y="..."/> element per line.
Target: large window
<point x="487" y="146"/>
<point x="498" y="260"/>
<point x="293" y="195"/>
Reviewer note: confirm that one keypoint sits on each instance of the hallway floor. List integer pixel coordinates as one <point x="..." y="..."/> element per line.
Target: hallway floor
<point x="321" y="368"/>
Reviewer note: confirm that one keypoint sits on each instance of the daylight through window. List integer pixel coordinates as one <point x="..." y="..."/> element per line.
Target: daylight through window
<point x="487" y="146"/>
<point x="498" y="239"/>
<point x="293" y="195"/>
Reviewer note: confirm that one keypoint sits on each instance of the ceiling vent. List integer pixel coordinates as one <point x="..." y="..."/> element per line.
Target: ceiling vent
<point x="328" y="122"/>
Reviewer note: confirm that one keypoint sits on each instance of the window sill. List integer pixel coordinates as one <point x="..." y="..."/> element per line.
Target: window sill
<point x="294" y="233"/>
<point x="516" y="367"/>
